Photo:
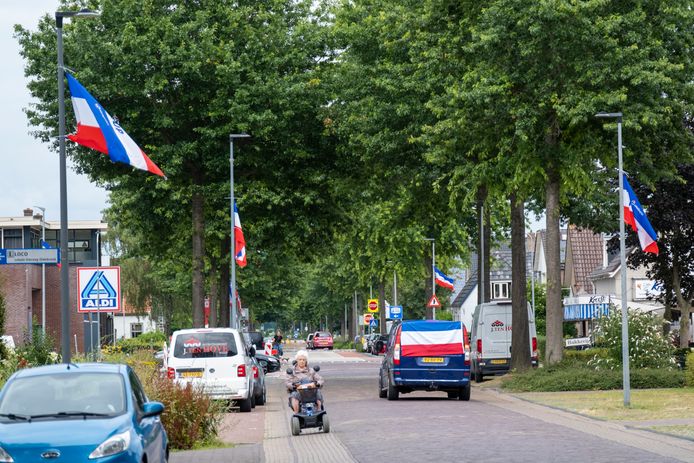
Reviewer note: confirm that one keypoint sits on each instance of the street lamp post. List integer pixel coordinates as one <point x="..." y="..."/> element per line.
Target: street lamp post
<point x="622" y="259"/>
<point x="43" y="273"/>
<point x="64" y="269"/>
<point x="433" y="272"/>
<point x="233" y="319"/>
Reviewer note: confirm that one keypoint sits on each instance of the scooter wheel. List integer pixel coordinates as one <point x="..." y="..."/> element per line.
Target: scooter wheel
<point x="296" y="426"/>
<point x="326" y="423"/>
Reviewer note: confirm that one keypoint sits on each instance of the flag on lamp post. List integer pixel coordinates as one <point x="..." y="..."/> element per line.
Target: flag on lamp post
<point x="239" y="240"/>
<point x="443" y="280"/>
<point x="636" y="218"/>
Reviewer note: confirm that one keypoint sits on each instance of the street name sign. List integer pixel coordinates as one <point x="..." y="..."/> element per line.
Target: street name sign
<point x="98" y="289"/>
<point x="28" y="256"/>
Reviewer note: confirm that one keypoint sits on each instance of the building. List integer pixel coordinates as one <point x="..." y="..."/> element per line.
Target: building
<point x="21" y="284"/>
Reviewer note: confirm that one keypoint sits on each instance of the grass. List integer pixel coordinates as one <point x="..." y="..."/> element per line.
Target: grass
<point x="646" y="404"/>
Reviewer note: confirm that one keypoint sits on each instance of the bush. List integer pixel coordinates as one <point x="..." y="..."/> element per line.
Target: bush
<point x="343" y="345"/>
<point x="648" y="348"/>
<point x="689" y="371"/>
<point x="151" y="341"/>
<point x="40" y="350"/>
<point x="572" y="378"/>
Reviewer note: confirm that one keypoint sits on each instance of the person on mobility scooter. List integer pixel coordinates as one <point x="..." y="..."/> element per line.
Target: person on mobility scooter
<point x="305" y="398"/>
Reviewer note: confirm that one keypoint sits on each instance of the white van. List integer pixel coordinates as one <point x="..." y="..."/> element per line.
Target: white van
<point x="217" y="360"/>
<point x="490" y="338"/>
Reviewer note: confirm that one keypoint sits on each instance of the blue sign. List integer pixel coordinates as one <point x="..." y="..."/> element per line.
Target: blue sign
<point x="395" y="312"/>
<point x="29" y="256"/>
<point x="373" y="323"/>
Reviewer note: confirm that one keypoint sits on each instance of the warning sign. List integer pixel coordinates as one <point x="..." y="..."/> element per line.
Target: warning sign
<point x="434" y="302"/>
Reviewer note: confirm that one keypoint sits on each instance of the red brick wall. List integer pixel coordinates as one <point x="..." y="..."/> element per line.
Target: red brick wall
<point x="13" y="284"/>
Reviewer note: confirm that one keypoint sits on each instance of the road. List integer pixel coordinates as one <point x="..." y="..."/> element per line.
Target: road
<point x="427" y="427"/>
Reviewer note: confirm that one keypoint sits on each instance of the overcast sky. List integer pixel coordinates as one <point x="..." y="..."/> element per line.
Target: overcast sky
<point x="31" y="172"/>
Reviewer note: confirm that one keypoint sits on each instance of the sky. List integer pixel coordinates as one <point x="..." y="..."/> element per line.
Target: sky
<point x="31" y="170"/>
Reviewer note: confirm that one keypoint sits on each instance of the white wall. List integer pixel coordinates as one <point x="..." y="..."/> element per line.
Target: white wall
<point x="148" y="325"/>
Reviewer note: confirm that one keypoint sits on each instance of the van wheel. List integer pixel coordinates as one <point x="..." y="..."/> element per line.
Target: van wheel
<point x="245" y="405"/>
<point x="262" y="399"/>
<point x="464" y="393"/>
<point x="296" y="426"/>
<point x="253" y="401"/>
<point x="381" y="392"/>
<point x="478" y="376"/>
<point x="392" y="393"/>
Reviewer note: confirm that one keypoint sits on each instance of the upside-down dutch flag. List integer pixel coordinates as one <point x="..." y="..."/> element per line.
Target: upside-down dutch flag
<point x="636" y="218"/>
<point x="424" y="338"/>
<point x="96" y="129"/>
<point x="239" y="240"/>
<point x="45" y="245"/>
<point x="443" y="280"/>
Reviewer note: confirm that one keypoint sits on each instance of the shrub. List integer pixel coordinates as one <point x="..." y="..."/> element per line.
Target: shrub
<point x="151" y="341"/>
<point x="343" y="345"/>
<point x="689" y="371"/>
<point x="648" y="348"/>
<point x="40" y="350"/>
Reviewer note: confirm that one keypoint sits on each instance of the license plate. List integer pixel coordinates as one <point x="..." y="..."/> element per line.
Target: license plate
<point x="432" y="359"/>
<point x="191" y="374"/>
<point x="498" y="362"/>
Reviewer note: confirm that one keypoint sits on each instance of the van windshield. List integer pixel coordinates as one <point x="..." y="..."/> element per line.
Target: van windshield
<point x="197" y="345"/>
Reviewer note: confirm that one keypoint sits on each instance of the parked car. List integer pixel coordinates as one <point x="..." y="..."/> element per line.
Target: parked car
<point x="309" y="341"/>
<point x="80" y="413"/>
<point x="259" y="391"/>
<point x="426" y="355"/>
<point x="217" y="360"/>
<point x="490" y="338"/>
<point x="322" y="340"/>
<point x="270" y="363"/>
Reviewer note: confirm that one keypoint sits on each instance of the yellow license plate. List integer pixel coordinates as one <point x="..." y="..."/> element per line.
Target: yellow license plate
<point x="498" y="362"/>
<point x="191" y="374"/>
<point x="432" y="360"/>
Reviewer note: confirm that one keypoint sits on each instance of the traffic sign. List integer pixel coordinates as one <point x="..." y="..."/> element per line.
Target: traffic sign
<point x="98" y="289"/>
<point x="368" y="317"/>
<point x="372" y="305"/>
<point x="373" y="323"/>
<point x="434" y="302"/>
<point x="395" y="312"/>
<point x="29" y="256"/>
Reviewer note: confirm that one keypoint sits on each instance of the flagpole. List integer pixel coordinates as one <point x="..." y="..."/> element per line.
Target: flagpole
<point x="233" y="317"/>
<point x="622" y="261"/>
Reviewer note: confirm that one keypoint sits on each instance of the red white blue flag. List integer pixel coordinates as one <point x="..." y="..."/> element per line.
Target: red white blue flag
<point x="96" y="129"/>
<point x="636" y="218"/>
<point x="239" y="240"/>
<point x="425" y="338"/>
<point x="443" y="280"/>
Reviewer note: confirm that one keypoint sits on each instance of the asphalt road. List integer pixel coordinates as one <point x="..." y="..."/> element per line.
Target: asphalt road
<point x="428" y="427"/>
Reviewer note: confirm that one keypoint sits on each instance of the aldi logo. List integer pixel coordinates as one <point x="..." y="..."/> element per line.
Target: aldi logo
<point x="99" y="289"/>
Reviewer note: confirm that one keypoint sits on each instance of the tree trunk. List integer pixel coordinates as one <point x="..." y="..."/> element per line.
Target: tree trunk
<point x="214" y="297"/>
<point x="197" y="206"/>
<point x="555" y="316"/>
<point x="483" y="261"/>
<point x="427" y="285"/>
<point x="224" y="277"/>
<point x="520" y="352"/>
<point x="382" y="306"/>
<point x="683" y="305"/>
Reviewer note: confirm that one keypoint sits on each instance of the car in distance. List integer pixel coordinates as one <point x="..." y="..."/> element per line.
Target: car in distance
<point x="426" y="355"/>
<point x="80" y="413"/>
<point x="216" y="360"/>
<point x="322" y="340"/>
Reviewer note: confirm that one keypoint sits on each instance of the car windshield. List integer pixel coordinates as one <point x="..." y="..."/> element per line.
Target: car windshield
<point x="322" y="334"/>
<point x="196" y="345"/>
<point x="64" y="394"/>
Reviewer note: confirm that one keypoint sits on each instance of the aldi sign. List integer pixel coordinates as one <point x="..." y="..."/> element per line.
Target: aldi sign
<point x="98" y="289"/>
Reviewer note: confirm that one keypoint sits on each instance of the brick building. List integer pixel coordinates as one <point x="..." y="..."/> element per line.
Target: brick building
<point x="21" y="284"/>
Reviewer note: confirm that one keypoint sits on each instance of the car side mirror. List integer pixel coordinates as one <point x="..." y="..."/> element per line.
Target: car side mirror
<point x="316" y="368"/>
<point x="152" y="409"/>
<point x="290" y="371"/>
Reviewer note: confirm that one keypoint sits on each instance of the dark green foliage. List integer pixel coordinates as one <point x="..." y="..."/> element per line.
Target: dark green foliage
<point x="40" y="350"/>
<point x="152" y="341"/>
<point x="689" y="372"/>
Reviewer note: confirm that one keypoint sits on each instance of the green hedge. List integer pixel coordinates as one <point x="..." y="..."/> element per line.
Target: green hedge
<point x="576" y="378"/>
<point x="689" y="370"/>
<point x="151" y="341"/>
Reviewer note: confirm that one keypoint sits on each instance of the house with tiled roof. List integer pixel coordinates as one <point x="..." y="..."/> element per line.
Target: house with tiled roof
<point x="584" y="254"/>
<point x="539" y="266"/>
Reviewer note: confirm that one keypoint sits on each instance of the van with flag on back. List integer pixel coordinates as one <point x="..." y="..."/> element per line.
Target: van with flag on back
<point x="426" y="355"/>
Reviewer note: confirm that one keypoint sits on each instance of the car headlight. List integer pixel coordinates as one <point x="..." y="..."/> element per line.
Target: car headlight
<point x="113" y="445"/>
<point x="5" y="457"/>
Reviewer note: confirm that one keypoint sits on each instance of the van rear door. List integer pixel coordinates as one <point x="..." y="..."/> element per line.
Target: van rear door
<point x="432" y="352"/>
<point x="497" y="332"/>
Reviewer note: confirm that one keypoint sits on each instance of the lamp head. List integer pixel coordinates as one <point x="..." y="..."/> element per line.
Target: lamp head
<point x="604" y="115"/>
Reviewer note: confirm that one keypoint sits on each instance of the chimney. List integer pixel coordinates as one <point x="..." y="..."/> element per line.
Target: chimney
<point x="28" y="212"/>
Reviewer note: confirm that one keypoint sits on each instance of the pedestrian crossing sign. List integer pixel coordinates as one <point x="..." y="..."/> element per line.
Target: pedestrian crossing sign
<point x="98" y="289"/>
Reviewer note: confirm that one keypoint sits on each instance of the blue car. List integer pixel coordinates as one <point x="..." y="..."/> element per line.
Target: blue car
<point x="90" y="412"/>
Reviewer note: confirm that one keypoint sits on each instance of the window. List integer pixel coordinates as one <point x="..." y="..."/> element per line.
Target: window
<point x="139" y="396"/>
<point x="135" y="329"/>
<point x="501" y="290"/>
<point x="79" y="245"/>
<point x="12" y="238"/>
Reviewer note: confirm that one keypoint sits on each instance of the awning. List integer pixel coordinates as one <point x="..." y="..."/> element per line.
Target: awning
<point x="573" y="312"/>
